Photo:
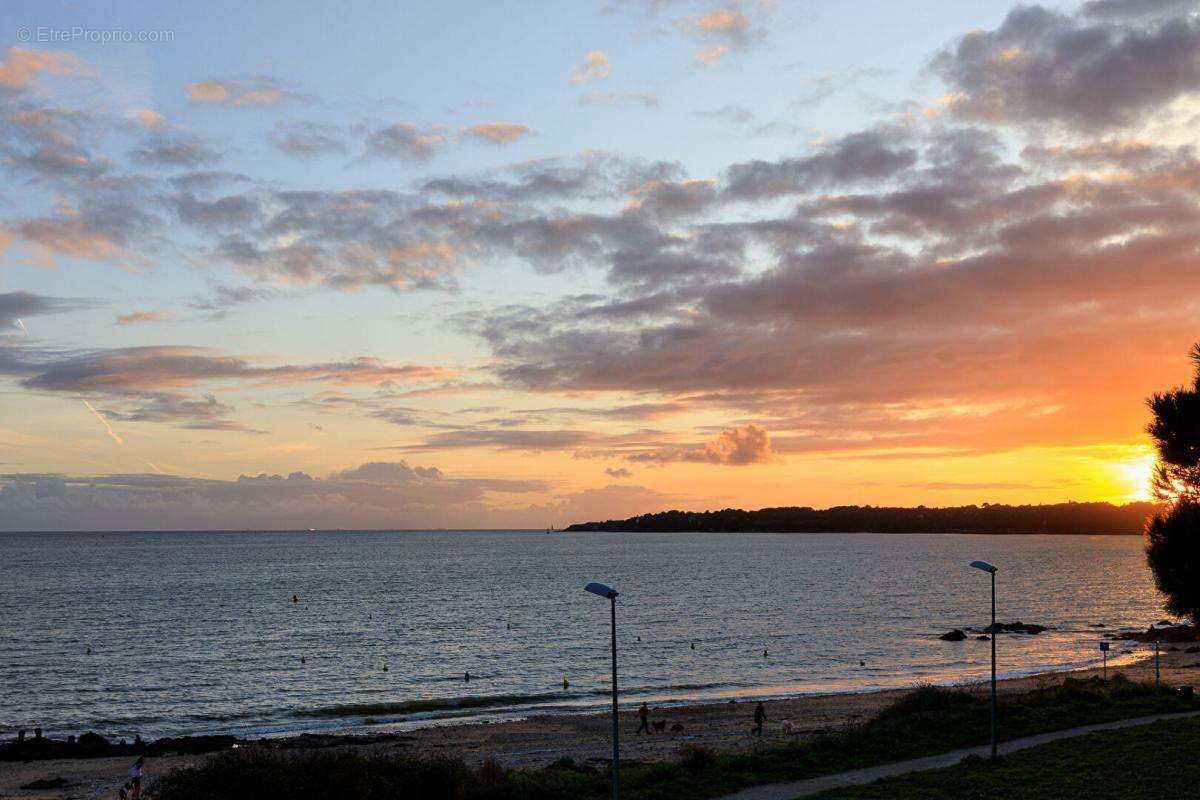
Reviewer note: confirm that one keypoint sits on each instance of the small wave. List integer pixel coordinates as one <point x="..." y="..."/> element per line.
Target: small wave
<point x="430" y="705"/>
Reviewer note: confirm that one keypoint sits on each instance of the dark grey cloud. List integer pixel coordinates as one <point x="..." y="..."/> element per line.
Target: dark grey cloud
<point x="58" y="162"/>
<point x="50" y="143"/>
<point x="1084" y="72"/>
<point x="224" y="298"/>
<point x="869" y="155"/>
<point x="653" y="270"/>
<point x="307" y="139"/>
<point x="149" y="384"/>
<point x="175" y="151"/>
<point x="220" y="213"/>
<point x="206" y="180"/>
<point x="534" y="441"/>
<point x="385" y="495"/>
<point x="665" y="199"/>
<point x="152" y="368"/>
<point x="17" y="305"/>
<point x="1135" y="8"/>
<point x="594" y="176"/>
<point x="404" y="141"/>
<point x="206" y="413"/>
<point x="104" y="225"/>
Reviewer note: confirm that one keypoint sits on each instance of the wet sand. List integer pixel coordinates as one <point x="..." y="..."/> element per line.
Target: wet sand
<point x="540" y="739"/>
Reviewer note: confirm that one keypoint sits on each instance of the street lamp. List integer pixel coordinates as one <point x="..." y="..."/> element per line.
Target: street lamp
<point x="988" y="568"/>
<point x="610" y="594"/>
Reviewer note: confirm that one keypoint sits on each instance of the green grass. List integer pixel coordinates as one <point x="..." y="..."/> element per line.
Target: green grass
<point x="925" y="722"/>
<point x="1154" y="762"/>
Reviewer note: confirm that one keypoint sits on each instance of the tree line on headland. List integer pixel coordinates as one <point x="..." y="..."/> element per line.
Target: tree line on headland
<point x="1068" y="518"/>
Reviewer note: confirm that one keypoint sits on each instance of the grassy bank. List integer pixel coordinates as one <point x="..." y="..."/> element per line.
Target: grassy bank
<point x="1151" y="762"/>
<point x="925" y="722"/>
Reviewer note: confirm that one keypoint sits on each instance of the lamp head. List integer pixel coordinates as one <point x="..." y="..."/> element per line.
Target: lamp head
<point x="983" y="565"/>
<point x="607" y="592"/>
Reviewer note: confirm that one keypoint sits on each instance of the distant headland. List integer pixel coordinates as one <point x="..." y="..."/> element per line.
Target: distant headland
<point x="1058" y="518"/>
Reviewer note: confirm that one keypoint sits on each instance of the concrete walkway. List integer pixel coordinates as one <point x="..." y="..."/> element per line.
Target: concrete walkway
<point x="788" y="791"/>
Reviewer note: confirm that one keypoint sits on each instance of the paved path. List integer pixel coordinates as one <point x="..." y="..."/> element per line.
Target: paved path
<point x="788" y="791"/>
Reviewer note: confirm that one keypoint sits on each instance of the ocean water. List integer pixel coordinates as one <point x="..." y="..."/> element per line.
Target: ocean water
<point x="195" y="633"/>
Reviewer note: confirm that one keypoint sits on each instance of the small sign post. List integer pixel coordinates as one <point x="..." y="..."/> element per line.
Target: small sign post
<point x="1104" y="650"/>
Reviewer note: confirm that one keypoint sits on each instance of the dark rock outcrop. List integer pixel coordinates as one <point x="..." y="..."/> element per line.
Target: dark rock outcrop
<point x="1170" y="633"/>
<point x="953" y="636"/>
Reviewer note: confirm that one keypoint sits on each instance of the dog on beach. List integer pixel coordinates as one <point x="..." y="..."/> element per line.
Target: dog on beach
<point x="660" y="725"/>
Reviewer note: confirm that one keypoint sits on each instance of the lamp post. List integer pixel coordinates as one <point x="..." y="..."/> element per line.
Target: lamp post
<point x="610" y="594"/>
<point x="988" y="568"/>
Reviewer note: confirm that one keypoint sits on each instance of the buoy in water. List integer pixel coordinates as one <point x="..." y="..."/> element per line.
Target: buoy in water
<point x="295" y="599"/>
<point x="693" y="645"/>
<point x="467" y="676"/>
<point x="385" y="668"/>
<point x="764" y="653"/>
<point x="301" y="659"/>
<point x="566" y="684"/>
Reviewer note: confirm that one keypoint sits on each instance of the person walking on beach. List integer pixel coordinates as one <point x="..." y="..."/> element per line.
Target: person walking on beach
<point x="644" y="716"/>
<point x="760" y="716"/>
<point x="135" y="778"/>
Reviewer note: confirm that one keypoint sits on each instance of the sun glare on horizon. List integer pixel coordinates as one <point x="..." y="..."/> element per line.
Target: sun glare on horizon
<point x="1136" y="475"/>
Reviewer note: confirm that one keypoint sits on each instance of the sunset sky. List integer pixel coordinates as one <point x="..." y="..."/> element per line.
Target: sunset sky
<point x="519" y="264"/>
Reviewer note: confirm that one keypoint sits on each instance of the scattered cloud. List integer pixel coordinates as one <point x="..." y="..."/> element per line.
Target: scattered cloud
<point x="175" y="151"/>
<point x="709" y="56"/>
<point x="22" y="65"/>
<point x="1087" y="72"/>
<point x="405" y="141"/>
<point x="596" y="67"/>
<point x="306" y="139"/>
<point x="643" y="99"/>
<point x="373" y="495"/>
<point x="153" y="120"/>
<point x="15" y="305"/>
<point x="255" y="92"/>
<point x="728" y="23"/>
<point x="748" y="444"/>
<point x="497" y="132"/>
<point x="136" y="317"/>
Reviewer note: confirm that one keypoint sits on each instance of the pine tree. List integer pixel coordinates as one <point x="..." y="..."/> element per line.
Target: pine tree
<point x="1173" y="534"/>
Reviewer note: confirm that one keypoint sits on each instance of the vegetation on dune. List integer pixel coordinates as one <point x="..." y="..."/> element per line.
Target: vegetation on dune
<point x="1173" y="534"/>
<point x="1151" y="761"/>
<point x="927" y="721"/>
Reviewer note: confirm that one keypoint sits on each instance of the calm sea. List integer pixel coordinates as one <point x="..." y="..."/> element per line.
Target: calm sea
<point x="197" y="632"/>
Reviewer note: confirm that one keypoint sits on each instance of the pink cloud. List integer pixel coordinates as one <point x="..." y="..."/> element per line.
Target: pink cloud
<point x="498" y="132"/>
<point x="23" y="65"/>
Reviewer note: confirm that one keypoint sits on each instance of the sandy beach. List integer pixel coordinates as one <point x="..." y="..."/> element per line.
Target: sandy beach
<point x="540" y="739"/>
